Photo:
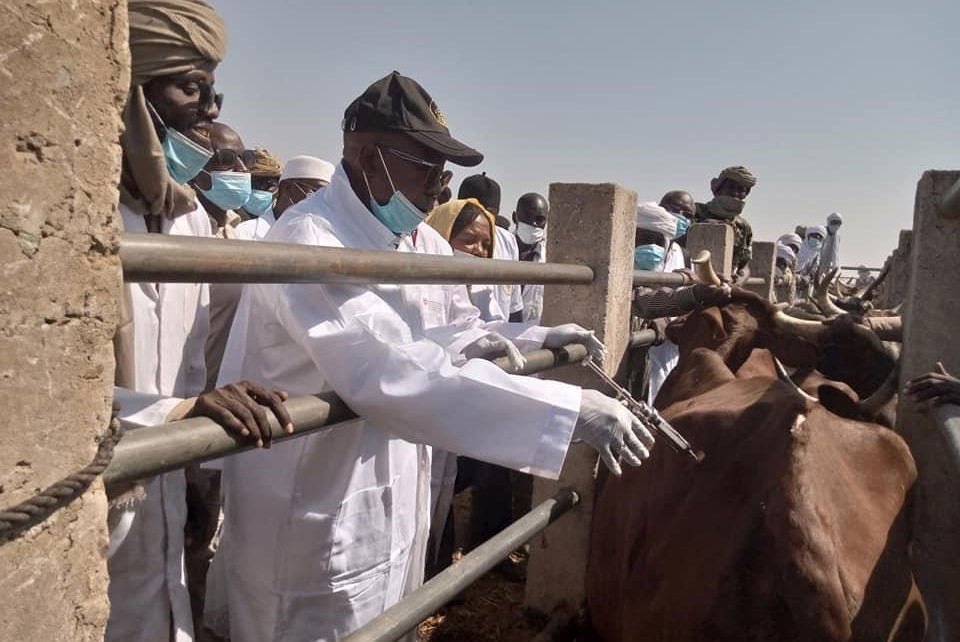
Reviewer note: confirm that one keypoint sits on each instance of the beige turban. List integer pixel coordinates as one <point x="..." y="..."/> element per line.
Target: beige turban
<point x="167" y="37"/>
<point x="266" y="164"/>
<point x="737" y="174"/>
<point x="444" y="216"/>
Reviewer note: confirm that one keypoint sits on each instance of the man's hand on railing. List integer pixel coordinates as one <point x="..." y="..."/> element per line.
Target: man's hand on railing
<point x="241" y="408"/>
<point x="937" y="387"/>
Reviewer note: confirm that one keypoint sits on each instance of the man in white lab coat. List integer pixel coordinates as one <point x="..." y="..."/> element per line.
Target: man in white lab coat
<point x="325" y="532"/>
<point x="175" y="46"/>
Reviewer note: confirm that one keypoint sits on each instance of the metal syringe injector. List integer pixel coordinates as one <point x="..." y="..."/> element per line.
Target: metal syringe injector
<point x="647" y="414"/>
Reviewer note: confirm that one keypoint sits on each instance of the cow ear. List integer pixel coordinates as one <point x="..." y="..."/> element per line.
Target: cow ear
<point x="686" y="327"/>
<point x="838" y="401"/>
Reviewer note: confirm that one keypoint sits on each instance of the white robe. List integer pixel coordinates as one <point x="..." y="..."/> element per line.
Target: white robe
<point x="324" y="532"/>
<point x="145" y="556"/>
<point x="662" y="359"/>
<point x="533" y="293"/>
<point x="829" y="253"/>
<point x="255" y="228"/>
<point x="508" y="296"/>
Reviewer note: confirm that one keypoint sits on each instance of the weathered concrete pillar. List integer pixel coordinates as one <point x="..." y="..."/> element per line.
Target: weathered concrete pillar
<point x="762" y="265"/>
<point x="716" y="238"/>
<point x="604" y="214"/>
<point x="63" y="77"/>
<point x="893" y="290"/>
<point x="930" y="319"/>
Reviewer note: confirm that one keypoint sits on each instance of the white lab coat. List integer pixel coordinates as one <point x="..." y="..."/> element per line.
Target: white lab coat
<point x="256" y="228"/>
<point x="145" y="556"/>
<point x="324" y="532"/>
<point x="508" y="296"/>
<point x="533" y="293"/>
<point x="662" y="359"/>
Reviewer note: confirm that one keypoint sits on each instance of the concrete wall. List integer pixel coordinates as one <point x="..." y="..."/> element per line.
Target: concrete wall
<point x="893" y="291"/>
<point x="930" y="318"/>
<point x="63" y="72"/>
<point x="605" y="214"/>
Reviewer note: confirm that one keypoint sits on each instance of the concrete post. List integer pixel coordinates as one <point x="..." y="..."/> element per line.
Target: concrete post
<point x="716" y="238"/>
<point x="604" y="215"/>
<point x="893" y="291"/>
<point x="930" y="313"/>
<point x="762" y="265"/>
<point x="63" y="73"/>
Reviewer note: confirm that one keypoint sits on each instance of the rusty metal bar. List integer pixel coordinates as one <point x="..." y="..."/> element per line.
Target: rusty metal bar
<point x="655" y="279"/>
<point x="406" y="614"/>
<point x="151" y="450"/>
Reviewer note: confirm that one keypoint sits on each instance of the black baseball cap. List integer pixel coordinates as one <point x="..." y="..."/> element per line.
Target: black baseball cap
<point x="483" y="188"/>
<point x="399" y="104"/>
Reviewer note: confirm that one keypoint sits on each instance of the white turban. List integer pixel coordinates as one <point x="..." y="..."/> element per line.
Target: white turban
<point x="818" y="229"/>
<point x="790" y="240"/>
<point x="654" y="218"/>
<point x="786" y="253"/>
<point x="307" y="167"/>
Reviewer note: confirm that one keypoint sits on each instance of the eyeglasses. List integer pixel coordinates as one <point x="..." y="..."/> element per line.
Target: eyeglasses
<point x="434" y="170"/>
<point x="228" y="157"/>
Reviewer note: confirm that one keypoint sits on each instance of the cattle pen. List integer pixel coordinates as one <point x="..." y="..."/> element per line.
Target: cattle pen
<point x="593" y="289"/>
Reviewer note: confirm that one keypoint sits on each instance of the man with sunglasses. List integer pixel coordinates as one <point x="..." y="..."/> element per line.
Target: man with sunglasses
<point x="301" y="177"/>
<point x="175" y="46"/>
<point x="223" y="186"/>
<point x="325" y="532"/>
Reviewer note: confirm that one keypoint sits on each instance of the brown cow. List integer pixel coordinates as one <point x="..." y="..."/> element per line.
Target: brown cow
<point x="793" y="528"/>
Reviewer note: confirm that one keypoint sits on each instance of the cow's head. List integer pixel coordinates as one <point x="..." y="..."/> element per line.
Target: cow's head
<point x="746" y="323"/>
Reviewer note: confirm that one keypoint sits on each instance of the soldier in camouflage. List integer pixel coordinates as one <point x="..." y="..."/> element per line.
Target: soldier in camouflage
<point x="730" y="189"/>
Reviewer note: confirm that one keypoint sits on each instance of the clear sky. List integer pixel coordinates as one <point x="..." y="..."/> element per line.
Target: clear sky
<point x="835" y="105"/>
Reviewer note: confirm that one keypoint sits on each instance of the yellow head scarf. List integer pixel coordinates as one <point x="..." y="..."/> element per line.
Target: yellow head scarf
<point x="444" y="216"/>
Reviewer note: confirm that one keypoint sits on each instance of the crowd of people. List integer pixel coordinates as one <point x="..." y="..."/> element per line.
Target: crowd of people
<point x="321" y="534"/>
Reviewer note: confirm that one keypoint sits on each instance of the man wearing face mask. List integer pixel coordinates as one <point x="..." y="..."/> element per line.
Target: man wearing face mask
<point x="301" y="177"/>
<point x="830" y="251"/>
<point x="264" y="179"/>
<point x="682" y="205"/>
<point x="530" y="218"/>
<point x="223" y="186"/>
<point x="344" y="515"/>
<point x="730" y="190"/>
<point x="175" y="45"/>
<point x="655" y="250"/>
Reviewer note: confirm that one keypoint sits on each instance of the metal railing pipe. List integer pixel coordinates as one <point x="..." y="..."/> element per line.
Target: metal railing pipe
<point x="654" y="279"/>
<point x="642" y="338"/>
<point x="151" y="450"/>
<point x="159" y="258"/>
<point x="405" y="615"/>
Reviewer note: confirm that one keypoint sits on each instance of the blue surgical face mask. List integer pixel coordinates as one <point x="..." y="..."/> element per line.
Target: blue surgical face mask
<point x="814" y="242"/>
<point x="229" y="190"/>
<point x="682" y="224"/>
<point x="648" y="257"/>
<point x="399" y="215"/>
<point x="259" y="202"/>
<point x="184" y="157"/>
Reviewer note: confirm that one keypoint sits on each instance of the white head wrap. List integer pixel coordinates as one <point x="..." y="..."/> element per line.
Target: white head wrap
<point x="818" y="229"/>
<point x="787" y="254"/>
<point x="307" y="167"/>
<point x="789" y="240"/>
<point x="834" y="218"/>
<point x="651" y="216"/>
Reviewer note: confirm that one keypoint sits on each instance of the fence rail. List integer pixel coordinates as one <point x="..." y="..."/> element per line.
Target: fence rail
<point x="404" y="616"/>
<point x="163" y="258"/>
<point x="151" y="450"/>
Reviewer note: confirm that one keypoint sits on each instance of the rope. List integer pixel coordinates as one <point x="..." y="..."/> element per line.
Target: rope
<point x="17" y="519"/>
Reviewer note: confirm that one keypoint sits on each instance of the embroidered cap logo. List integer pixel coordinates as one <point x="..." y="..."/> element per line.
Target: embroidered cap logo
<point x="437" y="113"/>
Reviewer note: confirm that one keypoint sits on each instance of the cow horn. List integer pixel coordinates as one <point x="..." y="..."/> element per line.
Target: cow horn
<point x="887" y="328"/>
<point x="875" y="402"/>
<point x="809" y="330"/>
<point x="704" y="269"/>
<point x="822" y="298"/>
<point x="785" y="378"/>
